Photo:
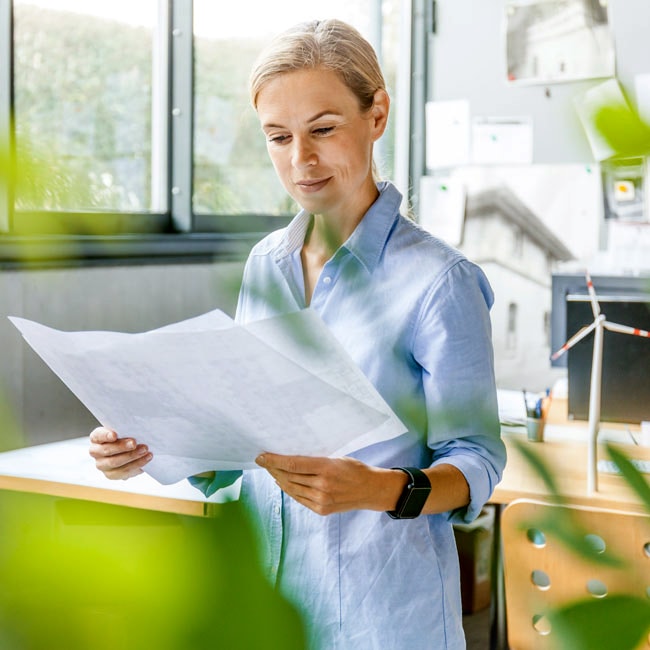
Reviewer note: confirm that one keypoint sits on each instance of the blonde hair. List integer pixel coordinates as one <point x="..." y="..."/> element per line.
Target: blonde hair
<point x="329" y="44"/>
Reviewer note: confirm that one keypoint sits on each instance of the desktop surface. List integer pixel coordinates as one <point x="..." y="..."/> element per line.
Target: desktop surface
<point x="66" y="469"/>
<point x="564" y="452"/>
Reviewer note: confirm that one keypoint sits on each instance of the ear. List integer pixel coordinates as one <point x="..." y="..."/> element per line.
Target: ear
<point x="379" y="113"/>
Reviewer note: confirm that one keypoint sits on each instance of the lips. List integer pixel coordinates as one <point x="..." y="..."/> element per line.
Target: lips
<point x="312" y="185"/>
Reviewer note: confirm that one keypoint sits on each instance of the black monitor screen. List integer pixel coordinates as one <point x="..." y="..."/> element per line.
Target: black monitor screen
<point x="625" y="393"/>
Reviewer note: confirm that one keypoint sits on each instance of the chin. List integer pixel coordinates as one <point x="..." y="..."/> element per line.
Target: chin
<point x="316" y="207"/>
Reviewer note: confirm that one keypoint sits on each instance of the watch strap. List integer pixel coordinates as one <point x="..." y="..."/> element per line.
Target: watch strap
<point x="414" y="495"/>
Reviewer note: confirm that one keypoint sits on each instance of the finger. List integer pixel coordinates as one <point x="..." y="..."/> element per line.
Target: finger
<point x="299" y="491"/>
<point x="315" y="500"/>
<point x="140" y="455"/>
<point x="290" y="481"/>
<point x="129" y="470"/>
<point x="101" y="435"/>
<point x="308" y="465"/>
<point x="120" y="446"/>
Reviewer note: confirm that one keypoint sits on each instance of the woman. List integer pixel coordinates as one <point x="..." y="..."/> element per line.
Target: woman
<point x="365" y="550"/>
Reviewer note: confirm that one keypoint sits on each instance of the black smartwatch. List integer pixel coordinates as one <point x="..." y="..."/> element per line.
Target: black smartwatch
<point x="414" y="496"/>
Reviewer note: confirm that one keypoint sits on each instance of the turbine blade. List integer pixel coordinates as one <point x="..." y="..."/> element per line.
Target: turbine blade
<point x="625" y="329"/>
<point x="595" y="307"/>
<point x="578" y="336"/>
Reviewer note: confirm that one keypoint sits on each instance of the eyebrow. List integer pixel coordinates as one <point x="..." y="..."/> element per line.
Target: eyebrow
<point x="316" y="117"/>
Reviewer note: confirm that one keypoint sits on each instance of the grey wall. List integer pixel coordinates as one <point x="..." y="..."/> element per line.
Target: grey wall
<point x="467" y="61"/>
<point x="35" y="406"/>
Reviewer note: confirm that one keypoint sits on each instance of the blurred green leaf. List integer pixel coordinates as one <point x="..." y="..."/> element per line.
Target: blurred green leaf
<point x="539" y="467"/>
<point x="617" y="622"/>
<point x="631" y="474"/>
<point x="80" y="575"/>
<point x="10" y="435"/>
<point x="623" y="130"/>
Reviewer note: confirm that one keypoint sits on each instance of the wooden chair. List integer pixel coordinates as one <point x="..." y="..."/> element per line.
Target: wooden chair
<point x="541" y="573"/>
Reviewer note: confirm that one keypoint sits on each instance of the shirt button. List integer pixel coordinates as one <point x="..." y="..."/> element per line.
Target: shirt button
<point x="327" y="279"/>
<point x="276" y="509"/>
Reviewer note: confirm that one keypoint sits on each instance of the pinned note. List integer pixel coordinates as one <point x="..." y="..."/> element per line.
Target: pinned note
<point x="502" y="140"/>
<point x="448" y="134"/>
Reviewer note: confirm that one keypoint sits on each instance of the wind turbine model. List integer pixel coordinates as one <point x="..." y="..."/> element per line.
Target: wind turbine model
<point x="599" y="325"/>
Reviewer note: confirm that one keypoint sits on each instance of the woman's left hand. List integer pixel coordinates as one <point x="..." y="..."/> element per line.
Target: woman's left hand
<point x="330" y="485"/>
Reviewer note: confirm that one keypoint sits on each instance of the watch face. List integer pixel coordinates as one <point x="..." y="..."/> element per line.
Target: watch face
<point x="415" y="501"/>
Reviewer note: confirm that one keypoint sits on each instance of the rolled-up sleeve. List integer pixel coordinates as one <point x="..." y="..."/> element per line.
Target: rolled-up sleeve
<point x="453" y="345"/>
<point x="209" y="485"/>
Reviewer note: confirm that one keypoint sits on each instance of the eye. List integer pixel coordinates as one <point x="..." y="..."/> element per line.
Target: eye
<point x="278" y="139"/>
<point x="323" y="130"/>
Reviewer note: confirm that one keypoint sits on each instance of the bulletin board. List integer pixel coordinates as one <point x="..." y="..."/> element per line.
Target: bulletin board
<point x="467" y="60"/>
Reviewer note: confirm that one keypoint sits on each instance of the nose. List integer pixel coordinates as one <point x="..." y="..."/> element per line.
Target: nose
<point x="303" y="153"/>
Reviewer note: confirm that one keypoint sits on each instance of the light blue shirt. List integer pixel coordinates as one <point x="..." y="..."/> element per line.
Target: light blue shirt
<point x="414" y="315"/>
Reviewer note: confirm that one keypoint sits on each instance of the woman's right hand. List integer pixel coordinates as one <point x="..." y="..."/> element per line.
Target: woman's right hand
<point x="118" y="458"/>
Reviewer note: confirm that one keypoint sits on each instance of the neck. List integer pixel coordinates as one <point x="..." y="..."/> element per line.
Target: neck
<point x="328" y="232"/>
<point x="324" y="237"/>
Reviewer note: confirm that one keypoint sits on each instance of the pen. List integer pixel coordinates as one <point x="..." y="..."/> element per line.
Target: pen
<point x="631" y="436"/>
<point x="546" y="403"/>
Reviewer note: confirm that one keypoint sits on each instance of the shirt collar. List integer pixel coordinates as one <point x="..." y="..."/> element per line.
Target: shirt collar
<point x="369" y="237"/>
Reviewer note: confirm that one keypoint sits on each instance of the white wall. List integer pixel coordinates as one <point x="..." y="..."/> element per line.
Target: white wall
<point x="121" y="298"/>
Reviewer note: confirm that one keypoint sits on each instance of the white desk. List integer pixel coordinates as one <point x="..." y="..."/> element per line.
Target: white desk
<point x="65" y="469"/>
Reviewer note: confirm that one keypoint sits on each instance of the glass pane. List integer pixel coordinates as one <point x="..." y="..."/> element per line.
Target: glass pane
<point x="83" y="88"/>
<point x="389" y="54"/>
<point x="232" y="172"/>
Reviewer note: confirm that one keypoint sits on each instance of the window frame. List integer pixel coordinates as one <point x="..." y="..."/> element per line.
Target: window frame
<point x="6" y="102"/>
<point x="177" y="233"/>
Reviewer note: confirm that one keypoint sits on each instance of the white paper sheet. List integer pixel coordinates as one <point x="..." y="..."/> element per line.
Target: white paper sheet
<point x="207" y="394"/>
<point x="442" y="207"/>
<point x="642" y="91"/>
<point x="502" y="140"/>
<point x="512" y="410"/>
<point x="447" y="133"/>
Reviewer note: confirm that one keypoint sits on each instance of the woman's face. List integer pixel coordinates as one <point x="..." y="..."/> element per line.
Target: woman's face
<point x="320" y="142"/>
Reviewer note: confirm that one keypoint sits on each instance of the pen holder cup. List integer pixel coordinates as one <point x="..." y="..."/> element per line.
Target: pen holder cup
<point x="535" y="429"/>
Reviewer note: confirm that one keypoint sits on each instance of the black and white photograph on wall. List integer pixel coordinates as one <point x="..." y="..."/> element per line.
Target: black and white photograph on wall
<point x="521" y="224"/>
<point x="550" y="41"/>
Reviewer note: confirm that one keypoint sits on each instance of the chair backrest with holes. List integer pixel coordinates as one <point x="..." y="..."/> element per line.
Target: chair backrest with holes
<point x="541" y="573"/>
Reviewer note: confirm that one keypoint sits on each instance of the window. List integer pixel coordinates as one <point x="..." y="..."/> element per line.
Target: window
<point x="83" y="110"/>
<point x="133" y="118"/>
<point x="546" y="328"/>
<point x="518" y="243"/>
<point x="232" y="173"/>
<point x="511" y="333"/>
